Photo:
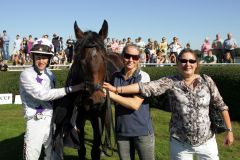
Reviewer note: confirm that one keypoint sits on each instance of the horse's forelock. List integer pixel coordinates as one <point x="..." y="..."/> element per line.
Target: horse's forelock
<point x="90" y="39"/>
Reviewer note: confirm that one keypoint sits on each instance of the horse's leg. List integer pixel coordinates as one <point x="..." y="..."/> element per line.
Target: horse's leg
<point x="80" y="123"/>
<point x="97" y="129"/>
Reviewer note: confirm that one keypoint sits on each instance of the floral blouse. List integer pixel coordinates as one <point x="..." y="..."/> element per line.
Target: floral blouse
<point x="190" y="122"/>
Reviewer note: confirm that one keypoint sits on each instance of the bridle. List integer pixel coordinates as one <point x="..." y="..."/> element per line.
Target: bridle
<point x="88" y="85"/>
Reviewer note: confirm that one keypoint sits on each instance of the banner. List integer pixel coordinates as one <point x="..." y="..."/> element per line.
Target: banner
<point x="6" y="98"/>
<point x="18" y="100"/>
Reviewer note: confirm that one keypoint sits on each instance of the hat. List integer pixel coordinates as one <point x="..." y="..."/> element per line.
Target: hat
<point x="43" y="46"/>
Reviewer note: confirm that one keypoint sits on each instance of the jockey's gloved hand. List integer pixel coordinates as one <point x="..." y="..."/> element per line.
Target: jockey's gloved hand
<point x="75" y="88"/>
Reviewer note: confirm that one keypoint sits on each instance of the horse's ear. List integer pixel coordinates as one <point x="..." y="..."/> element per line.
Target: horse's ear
<point x="78" y="32"/>
<point x="104" y="30"/>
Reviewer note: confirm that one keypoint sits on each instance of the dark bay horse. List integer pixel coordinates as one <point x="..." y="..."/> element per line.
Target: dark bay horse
<point x="92" y="66"/>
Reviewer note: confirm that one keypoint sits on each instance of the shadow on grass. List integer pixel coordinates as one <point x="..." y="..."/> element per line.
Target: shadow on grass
<point x="12" y="149"/>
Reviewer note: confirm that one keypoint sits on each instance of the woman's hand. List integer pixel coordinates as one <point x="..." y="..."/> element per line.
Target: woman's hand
<point x="109" y="87"/>
<point x="228" y="139"/>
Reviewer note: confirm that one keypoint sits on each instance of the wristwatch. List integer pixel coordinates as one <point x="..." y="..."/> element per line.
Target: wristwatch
<point x="229" y="130"/>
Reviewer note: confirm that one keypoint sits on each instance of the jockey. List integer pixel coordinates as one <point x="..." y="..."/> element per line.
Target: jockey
<point x="42" y="47"/>
<point x="37" y="91"/>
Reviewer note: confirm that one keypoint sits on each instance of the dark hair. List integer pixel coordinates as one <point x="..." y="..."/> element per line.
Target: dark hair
<point x="186" y="50"/>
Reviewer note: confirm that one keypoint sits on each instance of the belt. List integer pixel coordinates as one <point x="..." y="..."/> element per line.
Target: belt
<point x="38" y="116"/>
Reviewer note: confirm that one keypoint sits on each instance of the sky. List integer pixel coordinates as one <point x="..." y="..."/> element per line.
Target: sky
<point x="190" y="20"/>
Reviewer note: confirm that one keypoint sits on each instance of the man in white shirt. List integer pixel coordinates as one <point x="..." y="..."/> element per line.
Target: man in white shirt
<point x="230" y="44"/>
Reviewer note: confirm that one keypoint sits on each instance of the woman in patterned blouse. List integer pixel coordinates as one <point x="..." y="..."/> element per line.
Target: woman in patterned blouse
<point x="189" y="97"/>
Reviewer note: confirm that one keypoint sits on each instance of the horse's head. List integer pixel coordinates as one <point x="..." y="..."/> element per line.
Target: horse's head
<point x="89" y="62"/>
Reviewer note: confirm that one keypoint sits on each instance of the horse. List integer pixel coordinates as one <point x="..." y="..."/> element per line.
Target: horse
<point x="92" y="65"/>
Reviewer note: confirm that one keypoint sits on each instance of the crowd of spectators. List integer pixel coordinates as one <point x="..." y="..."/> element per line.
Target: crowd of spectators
<point x="218" y="51"/>
<point x="21" y="55"/>
<point x="152" y="51"/>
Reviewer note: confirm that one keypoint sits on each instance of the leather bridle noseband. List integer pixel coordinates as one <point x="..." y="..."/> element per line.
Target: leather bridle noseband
<point x="87" y="84"/>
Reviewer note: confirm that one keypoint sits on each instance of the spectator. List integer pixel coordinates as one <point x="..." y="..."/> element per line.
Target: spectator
<point x="1" y="46"/>
<point x="16" y="45"/>
<point x="70" y="45"/>
<point x="188" y="46"/>
<point x="140" y="43"/>
<point x="217" y="45"/>
<point x="124" y="41"/>
<point x="172" y="58"/>
<point x="114" y="45"/>
<point x="161" y="57"/>
<point x="24" y="46"/>
<point x="61" y="43"/>
<point x="175" y="47"/>
<point x="227" y="58"/>
<point x="229" y="45"/>
<point x="156" y="46"/>
<point x="62" y="57"/>
<point x="108" y="44"/>
<point x="163" y="46"/>
<point x="121" y="45"/>
<point x="209" y="58"/>
<point x="142" y="56"/>
<point x="189" y="96"/>
<point x="132" y="130"/>
<point x="3" y="66"/>
<point x="151" y="56"/>
<point x="129" y="41"/>
<point x="29" y="47"/>
<point x="218" y="42"/>
<point x="6" y="41"/>
<point x="55" y="60"/>
<point x="205" y="47"/>
<point x="19" y="58"/>
<point x="56" y="43"/>
<point x="37" y="92"/>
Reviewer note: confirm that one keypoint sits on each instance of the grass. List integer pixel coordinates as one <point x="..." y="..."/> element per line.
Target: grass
<point x="12" y="126"/>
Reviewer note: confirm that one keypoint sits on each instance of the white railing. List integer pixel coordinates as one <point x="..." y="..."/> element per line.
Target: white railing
<point x="22" y="67"/>
<point x="60" y="67"/>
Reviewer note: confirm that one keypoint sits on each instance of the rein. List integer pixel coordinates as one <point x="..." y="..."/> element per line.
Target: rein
<point x="107" y="144"/>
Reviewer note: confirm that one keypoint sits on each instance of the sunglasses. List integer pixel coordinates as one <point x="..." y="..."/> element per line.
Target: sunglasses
<point x="128" y="56"/>
<point x="192" y="61"/>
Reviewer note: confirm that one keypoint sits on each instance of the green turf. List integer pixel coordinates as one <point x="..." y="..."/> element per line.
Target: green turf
<point x="12" y="128"/>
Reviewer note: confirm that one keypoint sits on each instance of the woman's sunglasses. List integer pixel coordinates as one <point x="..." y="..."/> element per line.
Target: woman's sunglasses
<point x="128" y="56"/>
<point x="192" y="61"/>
